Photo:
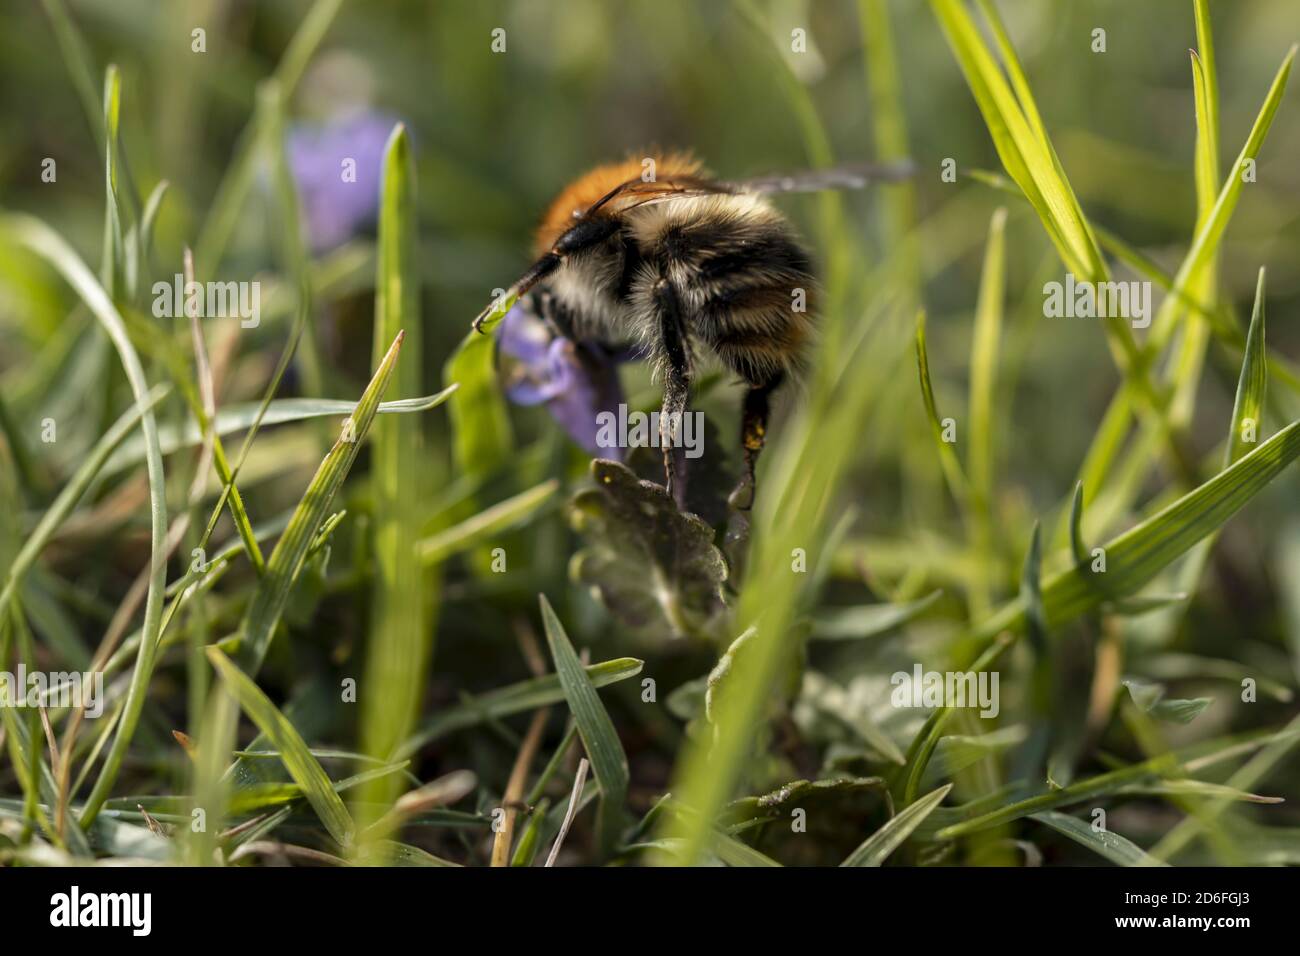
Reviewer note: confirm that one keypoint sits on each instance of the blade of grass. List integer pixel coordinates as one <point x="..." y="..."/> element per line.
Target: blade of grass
<point x="286" y="561"/>
<point x="514" y="699"/>
<point x="1112" y="846"/>
<point x="401" y="610"/>
<point x="985" y="349"/>
<point x="1248" y="405"/>
<point x="1133" y="559"/>
<point x="236" y="418"/>
<point x="46" y="243"/>
<point x="490" y="521"/>
<point x="958" y="484"/>
<point x="302" y="766"/>
<point x="599" y="739"/>
<point x="876" y="848"/>
<point x="71" y="493"/>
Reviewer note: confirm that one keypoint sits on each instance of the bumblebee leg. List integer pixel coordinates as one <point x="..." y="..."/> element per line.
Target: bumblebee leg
<point x="753" y="434"/>
<point x="677" y="386"/>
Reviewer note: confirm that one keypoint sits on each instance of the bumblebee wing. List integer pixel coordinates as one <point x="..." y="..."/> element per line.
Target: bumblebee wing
<point x="638" y="192"/>
<point x="849" y="176"/>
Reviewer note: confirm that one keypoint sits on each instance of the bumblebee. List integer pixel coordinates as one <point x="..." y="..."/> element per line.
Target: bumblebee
<point x="655" y="252"/>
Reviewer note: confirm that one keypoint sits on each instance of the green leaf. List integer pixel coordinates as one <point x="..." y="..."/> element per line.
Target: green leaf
<point x="608" y="762"/>
<point x="483" y="437"/>
<point x="298" y="760"/>
<point x="655" y="568"/>
<point x="286" y="561"/>
<point x="1110" y="845"/>
<point x="877" y="847"/>
<point x="514" y="699"/>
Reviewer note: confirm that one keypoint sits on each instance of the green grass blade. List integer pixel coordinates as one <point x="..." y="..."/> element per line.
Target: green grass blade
<point x="305" y="769"/>
<point x="984" y="360"/>
<point x="952" y="471"/>
<point x="46" y="243"/>
<point x="876" y="848"/>
<point x="608" y="762"/>
<point x="985" y="349"/>
<point x="514" y="699"/>
<point x="490" y="521"/>
<point x="401" y="612"/>
<point x="174" y="437"/>
<point x="1112" y="846"/>
<point x="1210" y="234"/>
<point x="67" y="499"/>
<point x="112" y="271"/>
<point x="286" y="561"/>
<point x="1134" y="558"/>
<point x="1020" y="139"/>
<point x="1248" y="406"/>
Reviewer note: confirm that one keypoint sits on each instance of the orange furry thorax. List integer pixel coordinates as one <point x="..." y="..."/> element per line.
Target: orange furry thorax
<point x="592" y="186"/>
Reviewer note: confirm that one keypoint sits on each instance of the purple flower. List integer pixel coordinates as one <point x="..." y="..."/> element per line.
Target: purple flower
<point x="575" y="380"/>
<point x="337" y="166"/>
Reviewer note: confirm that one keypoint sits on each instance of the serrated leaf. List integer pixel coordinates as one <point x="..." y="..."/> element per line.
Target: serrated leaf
<point x="655" y="568"/>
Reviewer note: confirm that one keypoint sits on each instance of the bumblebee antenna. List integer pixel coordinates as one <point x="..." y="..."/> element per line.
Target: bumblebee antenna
<point x="535" y="274"/>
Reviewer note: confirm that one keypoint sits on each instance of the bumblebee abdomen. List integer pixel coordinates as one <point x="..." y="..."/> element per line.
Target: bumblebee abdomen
<point x="743" y="276"/>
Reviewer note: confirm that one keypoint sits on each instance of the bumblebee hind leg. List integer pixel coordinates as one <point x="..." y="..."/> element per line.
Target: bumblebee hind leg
<point x="753" y="435"/>
<point x="674" y="351"/>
